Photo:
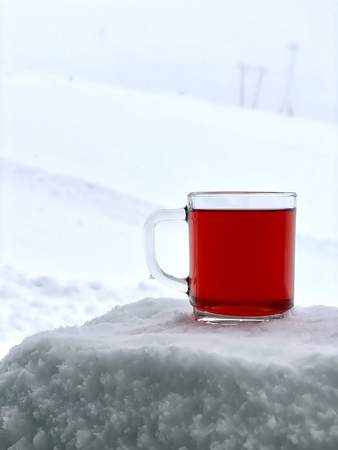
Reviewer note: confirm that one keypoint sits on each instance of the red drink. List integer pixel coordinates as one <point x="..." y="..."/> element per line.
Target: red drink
<point x="242" y="261"/>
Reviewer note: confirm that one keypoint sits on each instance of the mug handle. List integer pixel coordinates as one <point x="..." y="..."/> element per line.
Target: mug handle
<point x="163" y="215"/>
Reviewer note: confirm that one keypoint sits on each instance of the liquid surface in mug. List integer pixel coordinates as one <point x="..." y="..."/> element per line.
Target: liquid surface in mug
<point x="242" y="261"/>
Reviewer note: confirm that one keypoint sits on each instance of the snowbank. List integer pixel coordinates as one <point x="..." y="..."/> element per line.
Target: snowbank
<point x="146" y="376"/>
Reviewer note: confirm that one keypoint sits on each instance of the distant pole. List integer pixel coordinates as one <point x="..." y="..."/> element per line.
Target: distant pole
<point x="286" y="107"/>
<point x="261" y="71"/>
<point x="242" y="75"/>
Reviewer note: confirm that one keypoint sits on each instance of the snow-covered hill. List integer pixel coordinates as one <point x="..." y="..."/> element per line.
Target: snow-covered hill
<point x="191" y="47"/>
<point x="160" y="147"/>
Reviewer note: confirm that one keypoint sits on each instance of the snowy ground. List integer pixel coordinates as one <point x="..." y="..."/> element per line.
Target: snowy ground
<point x="145" y="376"/>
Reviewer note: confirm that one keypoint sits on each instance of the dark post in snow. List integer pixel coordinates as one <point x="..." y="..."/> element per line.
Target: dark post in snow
<point x="243" y="72"/>
<point x="286" y="105"/>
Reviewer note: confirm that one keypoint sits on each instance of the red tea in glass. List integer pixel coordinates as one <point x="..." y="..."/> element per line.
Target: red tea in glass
<point x="241" y="254"/>
<point x="241" y="261"/>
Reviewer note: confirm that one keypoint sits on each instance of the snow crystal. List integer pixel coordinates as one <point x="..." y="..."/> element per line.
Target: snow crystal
<point x="146" y="376"/>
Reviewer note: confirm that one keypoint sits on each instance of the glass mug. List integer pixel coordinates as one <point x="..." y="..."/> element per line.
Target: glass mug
<point x="242" y="247"/>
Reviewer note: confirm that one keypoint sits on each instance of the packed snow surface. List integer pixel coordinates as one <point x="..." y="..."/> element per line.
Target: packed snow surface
<point x="146" y="376"/>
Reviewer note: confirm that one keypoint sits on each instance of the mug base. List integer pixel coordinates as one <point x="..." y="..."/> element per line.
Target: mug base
<point x="211" y="318"/>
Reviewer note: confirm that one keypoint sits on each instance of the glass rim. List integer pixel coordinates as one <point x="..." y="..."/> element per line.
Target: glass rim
<point x="245" y="200"/>
<point x="243" y="193"/>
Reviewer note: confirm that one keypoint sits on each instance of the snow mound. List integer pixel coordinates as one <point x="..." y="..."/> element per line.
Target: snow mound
<point x="146" y="376"/>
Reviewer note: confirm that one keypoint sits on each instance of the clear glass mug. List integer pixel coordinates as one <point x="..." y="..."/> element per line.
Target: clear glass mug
<point x="242" y="247"/>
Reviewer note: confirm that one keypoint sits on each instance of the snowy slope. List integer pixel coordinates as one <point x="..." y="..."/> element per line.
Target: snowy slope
<point x="160" y="147"/>
<point x="146" y="376"/>
<point x="191" y="47"/>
